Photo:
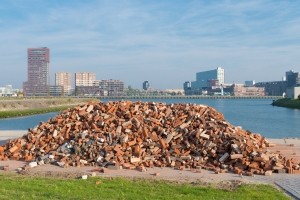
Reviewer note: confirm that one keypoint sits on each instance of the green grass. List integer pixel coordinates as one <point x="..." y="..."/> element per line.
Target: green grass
<point x="18" y="113"/>
<point x="45" y="105"/>
<point x="25" y="187"/>
<point x="289" y="103"/>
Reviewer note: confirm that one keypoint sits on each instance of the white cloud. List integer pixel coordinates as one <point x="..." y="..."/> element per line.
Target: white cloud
<point x="126" y="38"/>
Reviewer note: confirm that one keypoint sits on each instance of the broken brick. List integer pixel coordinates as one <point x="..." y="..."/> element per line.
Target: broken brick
<point x="146" y="134"/>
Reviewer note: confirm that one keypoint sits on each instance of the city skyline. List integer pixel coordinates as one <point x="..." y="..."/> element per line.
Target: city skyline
<point x="165" y="42"/>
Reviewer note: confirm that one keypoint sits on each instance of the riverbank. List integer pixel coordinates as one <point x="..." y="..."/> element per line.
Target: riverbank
<point x="24" y="107"/>
<point x="288" y="103"/>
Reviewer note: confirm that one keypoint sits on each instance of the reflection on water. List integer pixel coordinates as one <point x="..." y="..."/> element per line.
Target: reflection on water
<point x="23" y="123"/>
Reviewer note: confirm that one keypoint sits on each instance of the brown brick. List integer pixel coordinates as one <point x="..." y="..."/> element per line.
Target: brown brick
<point x="1" y="149"/>
<point x="13" y="149"/>
<point x="136" y="134"/>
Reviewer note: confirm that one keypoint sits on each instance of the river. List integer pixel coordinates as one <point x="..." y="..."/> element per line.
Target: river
<point x="255" y="115"/>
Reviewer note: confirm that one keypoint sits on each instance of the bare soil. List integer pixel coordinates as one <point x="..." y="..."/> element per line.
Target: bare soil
<point x="289" y="148"/>
<point x="198" y="177"/>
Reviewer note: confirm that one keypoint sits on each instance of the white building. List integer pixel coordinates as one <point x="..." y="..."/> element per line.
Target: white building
<point x="84" y="79"/>
<point x="293" y="92"/>
<point x="6" y="91"/>
<point x="64" y="79"/>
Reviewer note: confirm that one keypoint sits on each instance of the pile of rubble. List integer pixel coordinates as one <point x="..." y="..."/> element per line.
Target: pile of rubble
<point x="136" y="135"/>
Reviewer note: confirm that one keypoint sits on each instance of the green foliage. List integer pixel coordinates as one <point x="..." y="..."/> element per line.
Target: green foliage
<point x="22" y="187"/>
<point x="289" y="103"/>
<point x="299" y="97"/>
<point x="57" y="104"/>
<point x="19" y="113"/>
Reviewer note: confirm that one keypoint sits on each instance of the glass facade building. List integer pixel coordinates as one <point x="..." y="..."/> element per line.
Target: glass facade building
<point x="203" y="79"/>
<point x="146" y="85"/>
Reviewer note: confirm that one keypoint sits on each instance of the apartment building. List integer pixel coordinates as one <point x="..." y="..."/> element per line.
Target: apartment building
<point x="84" y="79"/>
<point x="64" y="79"/>
<point x="38" y="79"/>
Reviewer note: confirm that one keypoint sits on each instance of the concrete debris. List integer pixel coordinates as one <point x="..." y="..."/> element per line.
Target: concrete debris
<point x="268" y="173"/>
<point x="32" y="164"/>
<point x="84" y="177"/>
<point x="4" y="168"/>
<point x="224" y="157"/>
<point x="137" y="135"/>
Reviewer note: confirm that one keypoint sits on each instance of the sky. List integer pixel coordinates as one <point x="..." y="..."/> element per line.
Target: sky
<point x="165" y="42"/>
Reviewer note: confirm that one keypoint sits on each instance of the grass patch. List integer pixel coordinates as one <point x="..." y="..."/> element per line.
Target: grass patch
<point x="19" y="113"/>
<point x="24" y="107"/>
<point x="289" y="103"/>
<point x="25" y="187"/>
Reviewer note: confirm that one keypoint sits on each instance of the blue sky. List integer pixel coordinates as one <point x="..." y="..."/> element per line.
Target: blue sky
<point x="165" y="42"/>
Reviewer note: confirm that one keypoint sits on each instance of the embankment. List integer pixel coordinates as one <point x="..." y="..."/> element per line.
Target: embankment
<point x="22" y="107"/>
<point x="288" y="103"/>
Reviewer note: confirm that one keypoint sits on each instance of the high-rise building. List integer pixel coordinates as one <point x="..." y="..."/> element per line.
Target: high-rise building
<point x="38" y="79"/>
<point x="187" y="85"/>
<point x="84" y="79"/>
<point x="292" y="78"/>
<point x="187" y="88"/>
<point x="146" y="85"/>
<point x="207" y="79"/>
<point x="64" y="79"/>
<point x="203" y="78"/>
<point x="86" y="84"/>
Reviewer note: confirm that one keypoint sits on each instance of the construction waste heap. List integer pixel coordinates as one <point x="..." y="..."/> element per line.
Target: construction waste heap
<point x="135" y="135"/>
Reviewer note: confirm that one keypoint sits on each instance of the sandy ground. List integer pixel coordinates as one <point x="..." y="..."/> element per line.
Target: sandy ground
<point x="288" y="148"/>
<point x="187" y="175"/>
<point x="6" y="135"/>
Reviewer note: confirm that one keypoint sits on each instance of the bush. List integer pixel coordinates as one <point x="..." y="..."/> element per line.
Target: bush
<point x="299" y="96"/>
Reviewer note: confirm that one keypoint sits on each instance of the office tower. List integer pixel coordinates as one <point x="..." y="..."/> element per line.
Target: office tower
<point x="292" y="78"/>
<point x="146" y="85"/>
<point x="187" y="88"/>
<point x="203" y="79"/>
<point x="38" y="60"/>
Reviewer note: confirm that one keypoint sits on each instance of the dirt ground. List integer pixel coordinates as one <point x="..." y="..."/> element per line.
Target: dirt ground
<point x="288" y="147"/>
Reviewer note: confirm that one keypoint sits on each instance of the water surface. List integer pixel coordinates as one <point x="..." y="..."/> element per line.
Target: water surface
<point x="256" y="115"/>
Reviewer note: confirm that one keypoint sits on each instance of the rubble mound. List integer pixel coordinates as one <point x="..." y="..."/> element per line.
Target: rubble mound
<point x="141" y="134"/>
